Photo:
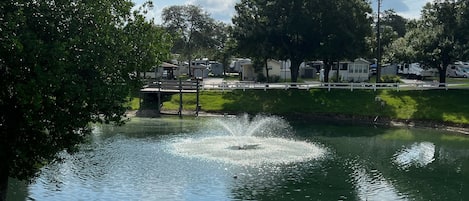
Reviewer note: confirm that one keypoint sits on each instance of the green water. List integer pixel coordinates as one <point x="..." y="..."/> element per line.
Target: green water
<point x="137" y="162"/>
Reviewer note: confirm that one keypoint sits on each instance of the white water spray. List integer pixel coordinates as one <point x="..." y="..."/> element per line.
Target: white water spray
<point x="249" y="142"/>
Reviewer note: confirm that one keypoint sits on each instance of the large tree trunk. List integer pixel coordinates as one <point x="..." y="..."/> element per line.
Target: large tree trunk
<point x="294" y="69"/>
<point x="445" y="62"/>
<point x="337" y="76"/>
<point x="266" y="70"/>
<point x="190" y="70"/>
<point x="327" y="69"/>
<point x="442" y="73"/>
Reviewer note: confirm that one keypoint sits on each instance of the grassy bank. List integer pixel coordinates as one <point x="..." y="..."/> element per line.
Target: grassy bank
<point x="435" y="105"/>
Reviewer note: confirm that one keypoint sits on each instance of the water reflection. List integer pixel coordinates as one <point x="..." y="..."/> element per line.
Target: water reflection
<point x="136" y="162"/>
<point x="418" y="154"/>
<point x="372" y="184"/>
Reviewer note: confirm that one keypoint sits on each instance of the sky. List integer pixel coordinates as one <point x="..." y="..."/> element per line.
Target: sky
<point x="223" y="10"/>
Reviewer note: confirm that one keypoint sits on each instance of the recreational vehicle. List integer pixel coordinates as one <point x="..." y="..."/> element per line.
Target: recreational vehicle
<point x="356" y="71"/>
<point x="455" y="71"/>
<point x="236" y="64"/>
<point x="410" y="70"/>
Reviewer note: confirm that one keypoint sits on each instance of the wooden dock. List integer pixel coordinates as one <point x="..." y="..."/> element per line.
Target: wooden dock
<point x="165" y="87"/>
<point x="171" y="86"/>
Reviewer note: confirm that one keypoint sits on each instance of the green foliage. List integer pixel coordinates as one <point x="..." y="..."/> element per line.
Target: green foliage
<point x="393" y="27"/>
<point x="148" y="45"/>
<point x="436" y="40"/>
<point x="390" y="79"/>
<point x="64" y="65"/>
<point x="224" y="44"/>
<point x="396" y="22"/>
<point x="300" y="30"/>
<point x="133" y="104"/>
<point x="192" y="29"/>
<point x="274" y="79"/>
<point x="261" y="77"/>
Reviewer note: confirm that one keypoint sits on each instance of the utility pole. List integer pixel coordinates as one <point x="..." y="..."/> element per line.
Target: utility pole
<point x="378" y="36"/>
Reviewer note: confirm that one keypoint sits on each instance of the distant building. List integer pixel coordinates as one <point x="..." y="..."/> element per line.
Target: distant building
<point x="310" y="69"/>
<point x="216" y="68"/>
<point x="163" y="71"/>
<point x="356" y="71"/>
<point x="389" y="69"/>
<point x="236" y="64"/>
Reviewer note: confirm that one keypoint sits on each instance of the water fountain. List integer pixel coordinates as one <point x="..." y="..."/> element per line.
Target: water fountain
<point x="245" y="141"/>
<point x="256" y="158"/>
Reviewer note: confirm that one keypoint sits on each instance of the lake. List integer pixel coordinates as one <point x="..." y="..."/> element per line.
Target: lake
<point x="256" y="158"/>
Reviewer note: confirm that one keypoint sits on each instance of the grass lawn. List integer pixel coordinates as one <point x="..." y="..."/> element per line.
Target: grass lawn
<point x="435" y="105"/>
<point x="133" y="104"/>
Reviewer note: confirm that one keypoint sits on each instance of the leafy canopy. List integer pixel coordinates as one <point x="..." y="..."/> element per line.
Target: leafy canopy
<point x="300" y="30"/>
<point x="63" y="65"/>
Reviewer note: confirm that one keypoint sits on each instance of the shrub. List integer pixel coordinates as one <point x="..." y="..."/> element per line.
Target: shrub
<point x="390" y="78"/>
<point x="274" y="79"/>
<point x="261" y="77"/>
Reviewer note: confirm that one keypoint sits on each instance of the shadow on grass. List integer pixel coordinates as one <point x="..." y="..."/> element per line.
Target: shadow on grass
<point x="317" y="101"/>
<point x="434" y="105"/>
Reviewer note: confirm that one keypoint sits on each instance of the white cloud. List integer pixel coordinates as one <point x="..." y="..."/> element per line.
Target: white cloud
<point x="415" y="8"/>
<point x="410" y="9"/>
<point x="223" y="10"/>
<point x="216" y="6"/>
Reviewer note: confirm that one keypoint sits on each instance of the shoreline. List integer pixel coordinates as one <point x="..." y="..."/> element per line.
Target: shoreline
<point x="462" y="129"/>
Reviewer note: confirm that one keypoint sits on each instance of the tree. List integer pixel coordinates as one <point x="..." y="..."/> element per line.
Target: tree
<point x="434" y="38"/>
<point x="224" y="48"/>
<point x="462" y="33"/>
<point x="276" y="29"/>
<point x="439" y="38"/>
<point x="345" y="26"/>
<point x="148" y="43"/>
<point x="393" y="27"/>
<point x="63" y="65"/>
<point x="396" y="22"/>
<point x="400" y="50"/>
<point x="253" y="35"/>
<point x="299" y="29"/>
<point x="191" y="28"/>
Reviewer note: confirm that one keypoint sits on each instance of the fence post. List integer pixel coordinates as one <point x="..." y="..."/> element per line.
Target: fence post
<point x="197" y="105"/>
<point x="180" y="98"/>
<point x="159" y="98"/>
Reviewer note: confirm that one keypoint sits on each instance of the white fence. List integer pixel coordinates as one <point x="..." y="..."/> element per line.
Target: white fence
<point x="237" y="85"/>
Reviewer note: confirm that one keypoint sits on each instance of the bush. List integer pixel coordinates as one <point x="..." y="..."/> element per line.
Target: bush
<point x="261" y="77"/>
<point x="275" y="79"/>
<point x="390" y="78"/>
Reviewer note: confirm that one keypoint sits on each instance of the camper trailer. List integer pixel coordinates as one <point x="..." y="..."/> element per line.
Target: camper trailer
<point x="236" y="64"/>
<point x="415" y="70"/>
<point x="356" y="71"/>
<point x="410" y="70"/>
<point x="455" y="71"/>
<point x="216" y="68"/>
